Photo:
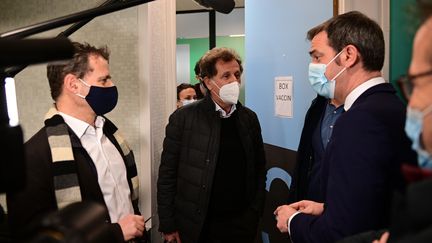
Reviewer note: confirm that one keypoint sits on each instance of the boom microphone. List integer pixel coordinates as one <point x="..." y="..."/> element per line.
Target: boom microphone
<point x="32" y="51"/>
<point x="222" y="6"/>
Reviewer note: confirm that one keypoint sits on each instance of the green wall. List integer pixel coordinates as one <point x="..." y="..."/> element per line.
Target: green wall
<point x="403" y="23"/>
<point x="199" y="46"/>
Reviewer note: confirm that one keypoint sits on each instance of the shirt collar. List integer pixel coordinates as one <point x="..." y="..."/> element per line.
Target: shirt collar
<point x="359" y="90"/>
<point x="78" y="126"/>
<point x="222" y="112"/>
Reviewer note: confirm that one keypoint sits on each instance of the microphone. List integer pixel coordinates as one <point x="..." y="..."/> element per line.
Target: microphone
<point x="222" y="6"/>
<point x="32" y="51"/>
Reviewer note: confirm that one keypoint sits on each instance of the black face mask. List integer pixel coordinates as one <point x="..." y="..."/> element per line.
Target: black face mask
<point x="101" y="99"/>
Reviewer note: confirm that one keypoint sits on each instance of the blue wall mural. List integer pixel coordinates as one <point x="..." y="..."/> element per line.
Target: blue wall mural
<point x="276" y="45"/>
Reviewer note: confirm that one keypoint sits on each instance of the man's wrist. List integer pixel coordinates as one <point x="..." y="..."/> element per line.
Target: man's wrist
<point x="289" y="221"/>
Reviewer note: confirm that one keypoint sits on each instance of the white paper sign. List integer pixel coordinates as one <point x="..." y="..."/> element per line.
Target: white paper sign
<point x="284" y="96"/>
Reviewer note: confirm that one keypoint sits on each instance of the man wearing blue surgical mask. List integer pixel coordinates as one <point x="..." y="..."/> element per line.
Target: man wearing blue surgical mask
<point x="417" y="88"/>
<point x="412" y="218"/>
<point x="211" y="183"/>
<point x="361" y="164"/>
<point x="79" y="155"/>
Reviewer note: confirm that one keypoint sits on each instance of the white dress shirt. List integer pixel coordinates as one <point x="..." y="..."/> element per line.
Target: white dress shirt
<point x="359" y="90"/>
<point x="110" y="167"/>
<point x="222" y="112"/>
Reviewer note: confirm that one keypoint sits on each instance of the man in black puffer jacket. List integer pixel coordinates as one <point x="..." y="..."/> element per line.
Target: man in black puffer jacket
<point x="211" y="184"/>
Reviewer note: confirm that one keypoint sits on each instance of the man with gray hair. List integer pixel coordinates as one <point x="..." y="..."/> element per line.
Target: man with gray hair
<point x="211" y="182"/>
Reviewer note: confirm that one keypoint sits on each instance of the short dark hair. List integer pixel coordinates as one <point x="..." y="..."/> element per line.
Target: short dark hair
<point x="355" y="28"/>
<point x="197" y="68"/>
<point x="182" y="87"/>
<point x="317" y="29"/>
<point x="425" y="8"/>
<point x="78" y="65"/>
<point x="208" y="61"/>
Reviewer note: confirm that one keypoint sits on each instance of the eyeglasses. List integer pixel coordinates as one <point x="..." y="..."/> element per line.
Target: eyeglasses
<point x="405" y="83"/>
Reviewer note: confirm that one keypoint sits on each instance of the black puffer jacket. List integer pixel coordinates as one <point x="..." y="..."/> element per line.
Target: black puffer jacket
<point x="188" y="164"/>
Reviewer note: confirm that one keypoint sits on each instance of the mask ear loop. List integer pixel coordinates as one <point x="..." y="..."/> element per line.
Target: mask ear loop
<point x="335" y="57"/>
<point x="215" y="83"/>
<point x="341" y="71"/>
<point x="86" y="84"/>
<point x="426" y="111"/>
<point x="216" y="86"/>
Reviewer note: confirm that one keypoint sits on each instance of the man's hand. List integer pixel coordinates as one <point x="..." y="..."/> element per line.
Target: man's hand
<point x="283" y="213"/>
<point x="308" y="207"/>
<point x="172" y="237"/>
<point x="383" y="239"/>
<point x="132" y="226"/>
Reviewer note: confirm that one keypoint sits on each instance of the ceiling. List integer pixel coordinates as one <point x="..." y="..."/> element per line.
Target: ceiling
<point x="185" y="5"/>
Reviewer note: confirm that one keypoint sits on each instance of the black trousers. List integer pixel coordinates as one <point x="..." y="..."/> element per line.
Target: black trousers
<point x="241" y="227"/>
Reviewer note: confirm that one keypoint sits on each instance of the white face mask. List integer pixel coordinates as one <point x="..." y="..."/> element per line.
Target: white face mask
<point x="229" y="93"/>
<point x="187" y="102"/>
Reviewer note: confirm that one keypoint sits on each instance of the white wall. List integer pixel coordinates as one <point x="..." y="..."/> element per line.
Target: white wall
<point x="276" y="46"/>
<point x="157" y="85"/>
<point x="196" y="25"/>
<point x="183" y="60"/>
<point x="193" y="25"/>
<point x="378" y="10"/>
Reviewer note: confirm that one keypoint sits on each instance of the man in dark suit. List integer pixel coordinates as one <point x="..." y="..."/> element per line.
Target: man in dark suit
<point x="360" y="167"/>
<point x="79" y="155"/>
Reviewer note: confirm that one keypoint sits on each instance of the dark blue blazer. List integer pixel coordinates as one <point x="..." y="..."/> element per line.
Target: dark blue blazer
<point x="360" y="169"/>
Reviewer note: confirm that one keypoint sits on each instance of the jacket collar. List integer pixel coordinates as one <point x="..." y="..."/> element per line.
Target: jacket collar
<point x="359" y="90"/>
<point x="380" y="88"/>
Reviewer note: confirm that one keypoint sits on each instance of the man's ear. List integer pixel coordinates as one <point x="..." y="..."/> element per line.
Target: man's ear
<point x="70" y="83"/>
<point x="351" y="57"/>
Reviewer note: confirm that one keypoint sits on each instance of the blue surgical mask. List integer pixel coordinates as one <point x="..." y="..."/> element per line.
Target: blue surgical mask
<point x="413" y="129"/>
<point x="101" y="99"/>
<point x="319" y="81"/>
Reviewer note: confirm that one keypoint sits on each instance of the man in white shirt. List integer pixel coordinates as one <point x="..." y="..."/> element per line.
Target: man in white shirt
<point x="361" y="165"/>
<point x="79" y="154"/>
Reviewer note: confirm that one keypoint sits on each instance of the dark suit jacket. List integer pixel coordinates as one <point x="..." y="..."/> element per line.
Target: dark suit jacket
<point x="412" y="214"/>
<point x="411" y="220"/>
<point x="361" y="167"/>
<point x="27" y="207"/>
